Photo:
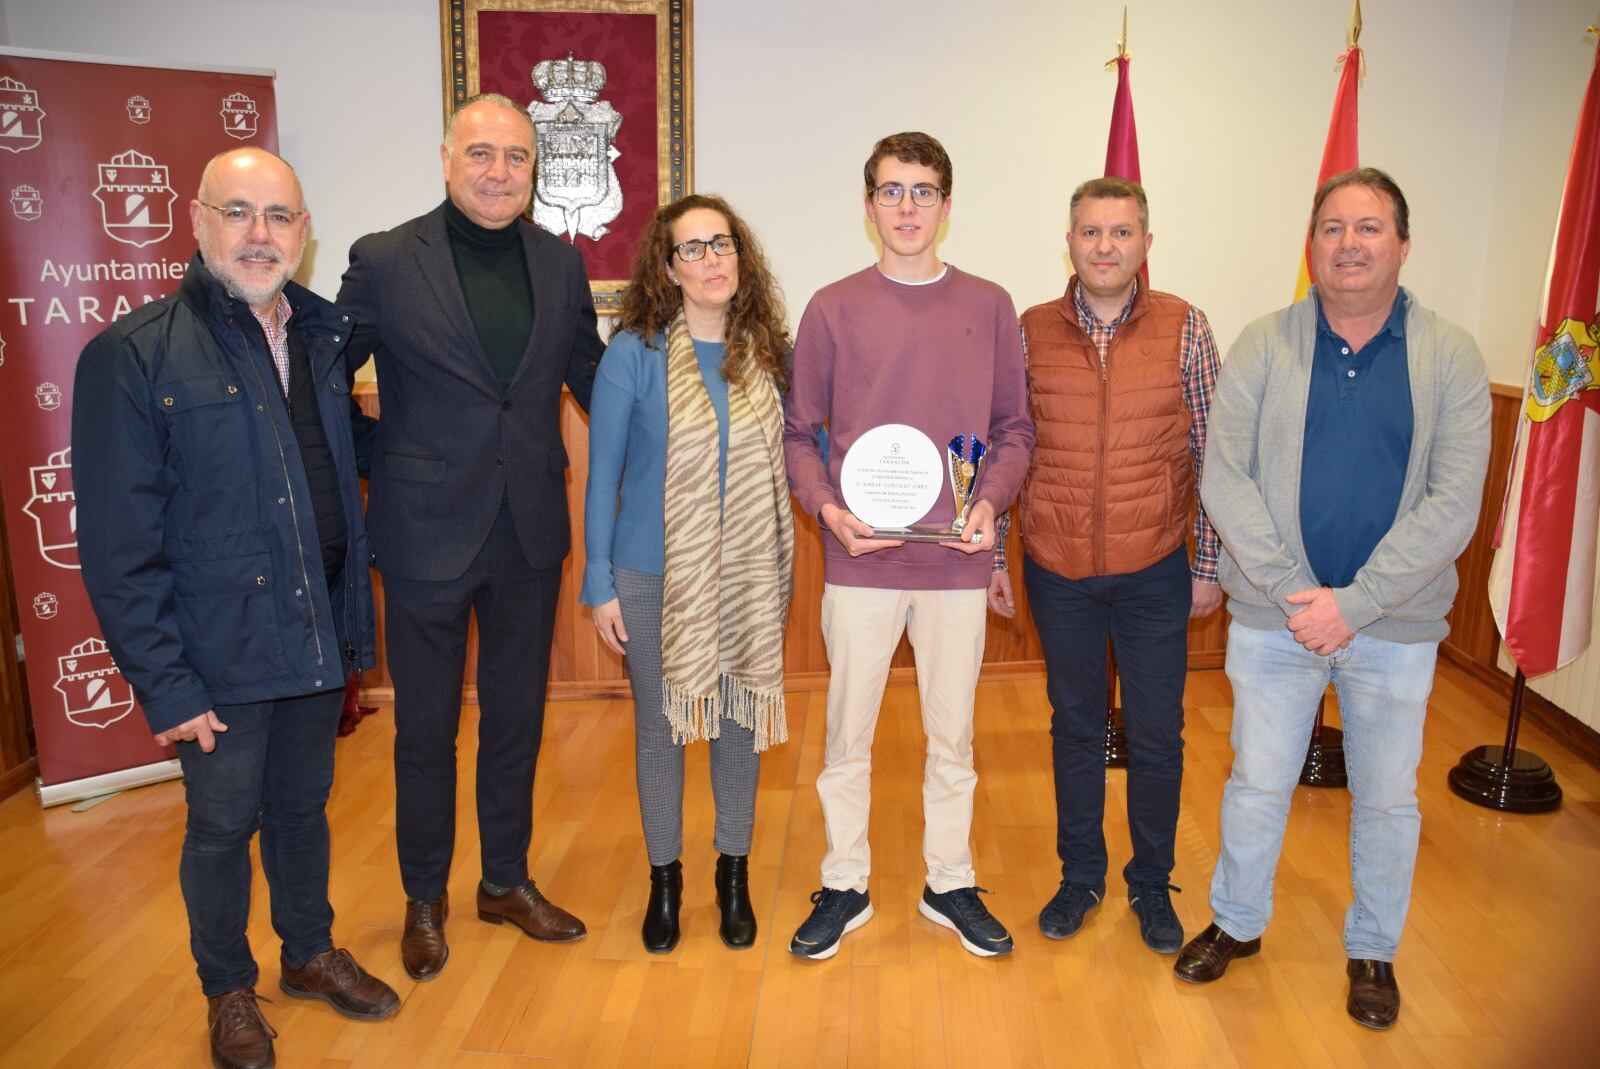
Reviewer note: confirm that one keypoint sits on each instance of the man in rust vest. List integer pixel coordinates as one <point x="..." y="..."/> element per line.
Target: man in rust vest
<point x="1120" y="379"/>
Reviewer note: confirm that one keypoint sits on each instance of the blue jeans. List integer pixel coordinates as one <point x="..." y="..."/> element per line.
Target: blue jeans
<point x="272" y="769"/>
<point x="1146" y="615"/>
<point x="1278" y="684"/>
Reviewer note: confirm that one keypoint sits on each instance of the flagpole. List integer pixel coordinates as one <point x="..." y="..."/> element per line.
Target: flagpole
<point x="1518" y="783"/>
<point x="1122" y="161"/>
<point x="1324" y="765"/>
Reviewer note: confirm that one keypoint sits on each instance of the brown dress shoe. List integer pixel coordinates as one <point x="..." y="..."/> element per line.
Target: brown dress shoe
<point x="423" y="950"/>
<point x="240" y="1037"/>
<point x="334" y="977"/>
<point x="532" y="912"/>
<point x="1206" y="957"/>
<point x="1374" y="996"/>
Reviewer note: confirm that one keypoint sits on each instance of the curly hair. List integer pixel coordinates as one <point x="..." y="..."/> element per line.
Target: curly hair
<point x="757" y="333"/>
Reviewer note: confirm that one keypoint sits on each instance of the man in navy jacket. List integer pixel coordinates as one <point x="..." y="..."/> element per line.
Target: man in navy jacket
<point x="221" y="538"/>
<point x="476" y="318"/>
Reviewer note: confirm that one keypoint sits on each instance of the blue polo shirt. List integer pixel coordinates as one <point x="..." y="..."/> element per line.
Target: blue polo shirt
<point x="1357" y="444"/>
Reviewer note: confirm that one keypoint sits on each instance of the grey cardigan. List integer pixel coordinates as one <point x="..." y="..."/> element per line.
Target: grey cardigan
<point x="1251" y="481"/>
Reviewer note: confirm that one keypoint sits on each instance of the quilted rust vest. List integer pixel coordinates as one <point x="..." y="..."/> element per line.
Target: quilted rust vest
<point x="1111" y="487"/>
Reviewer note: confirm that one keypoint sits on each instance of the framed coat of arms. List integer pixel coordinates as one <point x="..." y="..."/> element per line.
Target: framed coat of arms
<point x="609" y="86"/>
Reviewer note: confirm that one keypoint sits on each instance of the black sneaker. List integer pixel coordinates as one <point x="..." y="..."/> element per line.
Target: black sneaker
<point x="833" y="914"/>
<point x="960" y="911"/>
<point x="1065" y="911"/>
<point x="1159" y="925"/>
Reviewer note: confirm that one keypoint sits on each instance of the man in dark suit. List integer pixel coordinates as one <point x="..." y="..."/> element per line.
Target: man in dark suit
<point x="476" y="318"/>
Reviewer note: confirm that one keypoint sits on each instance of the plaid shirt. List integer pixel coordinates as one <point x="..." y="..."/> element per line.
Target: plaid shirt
<point x="276" y="328"/>
<point x="1198" y="354"/>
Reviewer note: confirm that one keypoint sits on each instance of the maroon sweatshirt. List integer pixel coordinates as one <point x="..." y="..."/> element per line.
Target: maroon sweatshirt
<point x="945" y="358"/>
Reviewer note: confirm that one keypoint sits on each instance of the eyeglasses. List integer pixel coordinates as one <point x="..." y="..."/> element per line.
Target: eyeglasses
<point x="892" y="193"/>
<point x="721" y="244"/>
<point x="236" y="217"/>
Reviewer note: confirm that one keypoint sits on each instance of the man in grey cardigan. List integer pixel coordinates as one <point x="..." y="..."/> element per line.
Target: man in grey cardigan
<point x="1348" y="443"/>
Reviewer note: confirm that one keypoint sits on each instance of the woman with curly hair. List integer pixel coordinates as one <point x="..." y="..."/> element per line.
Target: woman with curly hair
<point x="689" y="534"/>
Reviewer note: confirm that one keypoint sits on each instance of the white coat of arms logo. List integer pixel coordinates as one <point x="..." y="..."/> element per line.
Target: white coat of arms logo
<point x="48" y="396"/>
<point x="577" y="191"/>
<point x="46" y="605"/>
<point x="135" y="199"/>
<point x="27" y="204"/>
<point x="93" y="692"/>
<point x="54" y="509"/>
<point x="21" y="117"/>
<point x="239" y="117"/>
<point x="138" y="109"/>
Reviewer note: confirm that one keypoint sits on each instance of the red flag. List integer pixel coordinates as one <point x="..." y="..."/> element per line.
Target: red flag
<point x="1122" y="147"/>
<point x="1339" y="154"/>
<point x="1541" y="585"/>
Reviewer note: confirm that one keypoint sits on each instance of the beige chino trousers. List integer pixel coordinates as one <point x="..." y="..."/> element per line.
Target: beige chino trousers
<point x="861" y="627"/>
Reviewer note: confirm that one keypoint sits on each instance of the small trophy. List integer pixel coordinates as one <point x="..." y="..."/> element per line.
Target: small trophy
<point x="890" y="478"/>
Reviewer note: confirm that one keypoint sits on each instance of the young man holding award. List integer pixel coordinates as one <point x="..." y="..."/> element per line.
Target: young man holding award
<point x="893" y="359"/>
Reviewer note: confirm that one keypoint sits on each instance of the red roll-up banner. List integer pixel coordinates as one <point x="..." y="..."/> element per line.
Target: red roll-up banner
<point x="99" y="159"/>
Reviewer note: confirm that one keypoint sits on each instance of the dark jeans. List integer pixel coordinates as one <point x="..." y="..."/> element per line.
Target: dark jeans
<point x="426" y="640"/>
<point x="1146" y="615"/>
<point x="272" y="769"/>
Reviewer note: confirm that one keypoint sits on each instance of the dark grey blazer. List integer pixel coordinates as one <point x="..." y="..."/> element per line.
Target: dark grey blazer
<point x="452" y="442"/>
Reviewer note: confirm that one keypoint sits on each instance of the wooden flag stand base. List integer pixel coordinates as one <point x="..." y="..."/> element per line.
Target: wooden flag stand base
<point x="1116" y="730"/>
<point x="1524" y="784"/>
<point x="1324" y="765"/>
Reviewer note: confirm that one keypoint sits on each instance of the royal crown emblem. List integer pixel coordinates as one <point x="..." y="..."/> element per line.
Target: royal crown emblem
<point x="577" y="192"/>
<point x="240" y="120"/>
<point x="21" y="117"/>
<point x="135" y="199"/>
<point x="93" y="692"/>
<point x="26" y="204"/>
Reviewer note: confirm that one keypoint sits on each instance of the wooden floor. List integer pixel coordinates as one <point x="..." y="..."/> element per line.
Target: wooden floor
<point x="1498" y="967"/>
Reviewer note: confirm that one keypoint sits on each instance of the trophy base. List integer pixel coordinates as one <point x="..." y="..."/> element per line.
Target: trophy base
<point x="918" y="533"/>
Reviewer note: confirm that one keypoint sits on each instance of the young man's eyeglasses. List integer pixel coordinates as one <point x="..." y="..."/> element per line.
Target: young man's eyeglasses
<point x="721" y="244"/>
<point x="238" y="217"/>
<point x="892" y="193"/>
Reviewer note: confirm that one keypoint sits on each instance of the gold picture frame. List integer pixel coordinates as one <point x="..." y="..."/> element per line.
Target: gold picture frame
<point x="639" y="53"/>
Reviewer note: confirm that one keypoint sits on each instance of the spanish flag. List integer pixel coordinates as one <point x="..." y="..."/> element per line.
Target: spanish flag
<point x="1340" y="153"/>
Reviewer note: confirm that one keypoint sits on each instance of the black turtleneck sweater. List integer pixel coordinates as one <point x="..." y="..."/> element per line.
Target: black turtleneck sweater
<point x="494" y="278"/>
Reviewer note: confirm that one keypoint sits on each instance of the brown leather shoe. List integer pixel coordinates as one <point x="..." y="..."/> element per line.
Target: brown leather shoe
<point x="240" y="1037"/>
<point x="423" y="950"/>
<point x="1374" y="996"/>
<point x="532" y="912"/>
<point x="1207" y="955"/>
<point x="334" y="977"/>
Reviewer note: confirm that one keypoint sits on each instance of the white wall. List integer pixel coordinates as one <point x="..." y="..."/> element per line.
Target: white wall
<point x="1548" y="60"/>
<point x="1232" y="108"/>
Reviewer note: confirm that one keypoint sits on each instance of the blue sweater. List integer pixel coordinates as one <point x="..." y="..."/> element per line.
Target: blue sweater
<point x="623" y="506"/>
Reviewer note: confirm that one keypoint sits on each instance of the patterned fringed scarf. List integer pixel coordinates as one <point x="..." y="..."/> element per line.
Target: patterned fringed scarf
<point x="725" y="587"/>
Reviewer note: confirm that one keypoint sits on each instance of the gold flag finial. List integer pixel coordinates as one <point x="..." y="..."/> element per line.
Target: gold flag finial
<point x="1355" y="24"/>
<point x="1122" y="42"/>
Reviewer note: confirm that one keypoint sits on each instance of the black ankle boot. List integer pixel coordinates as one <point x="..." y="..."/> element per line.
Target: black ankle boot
<point x="738" y="928"/>
<point x="661" y="914"/>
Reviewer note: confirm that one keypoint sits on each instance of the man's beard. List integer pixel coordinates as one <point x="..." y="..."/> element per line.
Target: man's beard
<point x="253" y="294"/>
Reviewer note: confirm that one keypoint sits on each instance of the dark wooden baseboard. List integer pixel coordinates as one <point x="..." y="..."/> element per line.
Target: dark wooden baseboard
<point x="13" y="780"/>
<point x="1536" y="707"/>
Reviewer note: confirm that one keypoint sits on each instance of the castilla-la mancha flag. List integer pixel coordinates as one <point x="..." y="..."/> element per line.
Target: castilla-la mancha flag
<point x="1541" y="585"/>
<point x="1122" y="143"/>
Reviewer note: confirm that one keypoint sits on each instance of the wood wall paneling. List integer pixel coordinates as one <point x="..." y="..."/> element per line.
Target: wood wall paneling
<point x="582" y="666"/>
